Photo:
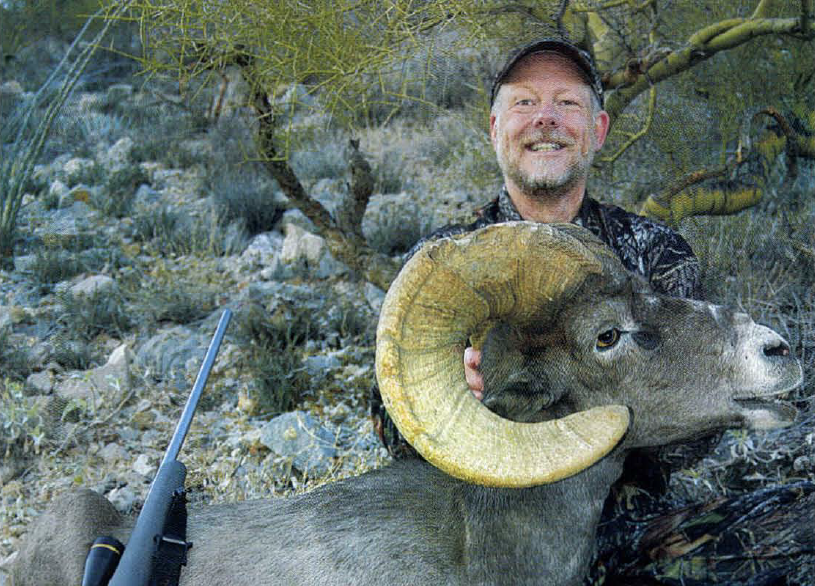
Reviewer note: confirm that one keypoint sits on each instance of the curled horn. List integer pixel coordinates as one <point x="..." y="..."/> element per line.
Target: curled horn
<point x="451" y="291"/>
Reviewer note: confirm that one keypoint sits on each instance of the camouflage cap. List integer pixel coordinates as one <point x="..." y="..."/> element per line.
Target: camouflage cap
<point x="578" y="56"/>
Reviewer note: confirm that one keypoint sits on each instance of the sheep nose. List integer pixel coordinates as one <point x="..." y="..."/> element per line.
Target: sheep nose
<point x="776" y="348"/>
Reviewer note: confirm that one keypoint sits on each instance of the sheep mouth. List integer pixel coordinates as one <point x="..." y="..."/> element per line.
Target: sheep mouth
<point x="767" y="411"/>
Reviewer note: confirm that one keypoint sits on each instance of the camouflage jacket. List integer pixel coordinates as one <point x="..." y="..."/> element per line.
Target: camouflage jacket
<point x="645" y="247"/>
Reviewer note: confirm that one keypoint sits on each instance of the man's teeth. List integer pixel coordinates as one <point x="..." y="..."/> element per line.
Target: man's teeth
<point x="545" y="146"/>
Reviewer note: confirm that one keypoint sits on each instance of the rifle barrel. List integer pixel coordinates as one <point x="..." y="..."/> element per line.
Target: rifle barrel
<point x="192" y="402"/>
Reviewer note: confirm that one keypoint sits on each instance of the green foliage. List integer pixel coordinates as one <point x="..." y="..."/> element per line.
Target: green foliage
<point x="52" y="265"/>
<point x="245" y="195"/>
<point x="275" y="358"/>
<point x="178" y="302"/>
<point x="21" y="423"/>
<point x="13" y="358"/>
<point x="18" y="162"/>
<point x="116" y="197"/>
<point x="84" y="317"/>
<point x="398" y="229"/>
<point x="177" y="233"/>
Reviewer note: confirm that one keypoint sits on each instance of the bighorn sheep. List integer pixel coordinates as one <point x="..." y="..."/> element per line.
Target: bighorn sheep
<point x="583" y="355"/>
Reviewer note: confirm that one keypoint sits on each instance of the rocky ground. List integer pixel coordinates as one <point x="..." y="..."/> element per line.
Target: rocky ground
<point x="131" y="247"/>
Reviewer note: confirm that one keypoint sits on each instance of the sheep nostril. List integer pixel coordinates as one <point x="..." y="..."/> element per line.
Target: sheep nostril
<point x="777" y="349"/>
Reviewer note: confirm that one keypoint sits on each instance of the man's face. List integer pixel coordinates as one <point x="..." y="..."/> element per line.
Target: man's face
<point x="543" y="127"/>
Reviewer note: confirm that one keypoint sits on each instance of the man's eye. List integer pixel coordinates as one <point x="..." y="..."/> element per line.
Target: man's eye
<point x="523" y="102"/>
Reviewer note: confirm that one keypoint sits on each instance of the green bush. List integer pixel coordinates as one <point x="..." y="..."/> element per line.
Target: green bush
<point x="280" y="379"/>
<point x="84" y="317"/>
<point x="52" y="265"/>
<point x="178" y="302"/>
<point x="14" y="363"/>
<point x="244" y="194"/>
<point x="396" y="231"/>
<point x="116" y="197"/>
<point x="21" y="423"/>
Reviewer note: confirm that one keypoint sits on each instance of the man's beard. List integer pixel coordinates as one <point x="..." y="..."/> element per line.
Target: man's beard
<point x="545" y="183"/>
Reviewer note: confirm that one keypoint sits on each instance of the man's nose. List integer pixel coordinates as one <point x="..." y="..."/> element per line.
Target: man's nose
<point x="546" y="116"/>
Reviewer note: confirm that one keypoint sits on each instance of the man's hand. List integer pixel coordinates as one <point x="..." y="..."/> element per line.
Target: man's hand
<point x="472" y="360"/>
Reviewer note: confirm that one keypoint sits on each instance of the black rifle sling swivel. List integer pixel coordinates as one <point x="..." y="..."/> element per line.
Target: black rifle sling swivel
<point x="171" y="552"/>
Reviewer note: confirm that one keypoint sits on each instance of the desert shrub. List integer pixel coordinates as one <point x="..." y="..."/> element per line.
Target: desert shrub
<point x="396" y="229"/>
<point x="156" y="222"/>
<point x="21" y="423"/>
<point x="13" y="359"/>
<point x="319" y="154"/>
<point x="351" y="322"/>
<point x="244" y="193"/>
<point x="52" y="265"/>
<point x="172" y="232"/>
<point x="84" y="317"/>
<point x="72" y="354"/>
<point x="279" y="378"/>
<point x="116" y="197"/>
<point x="177" y="302"/>
<point x="282" y="327"/>
<point x="158" y="132"/>
<point x="275" y="358"/>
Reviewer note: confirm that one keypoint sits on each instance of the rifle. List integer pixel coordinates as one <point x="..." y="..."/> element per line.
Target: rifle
<point x="137" y="565"/>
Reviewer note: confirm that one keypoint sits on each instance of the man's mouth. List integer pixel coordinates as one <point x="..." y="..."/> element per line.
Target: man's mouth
<point x="545" y="146"/>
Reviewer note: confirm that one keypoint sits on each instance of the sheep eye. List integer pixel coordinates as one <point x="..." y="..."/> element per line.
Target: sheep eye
<point x="608" y="339"/>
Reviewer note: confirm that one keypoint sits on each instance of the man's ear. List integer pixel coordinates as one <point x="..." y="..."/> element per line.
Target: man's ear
<point x="601" y="124"/>
<point x="493" y="129"/>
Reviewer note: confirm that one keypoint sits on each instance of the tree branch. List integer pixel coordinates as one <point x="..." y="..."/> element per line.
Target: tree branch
<point x="700" y="47"/>
<point x="634" y="137"/>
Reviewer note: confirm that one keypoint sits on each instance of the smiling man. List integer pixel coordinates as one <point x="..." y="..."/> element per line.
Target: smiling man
<point x="546" y="124"/>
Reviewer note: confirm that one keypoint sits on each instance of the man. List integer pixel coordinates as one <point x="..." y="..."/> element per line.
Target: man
<point x="546" y="124"/>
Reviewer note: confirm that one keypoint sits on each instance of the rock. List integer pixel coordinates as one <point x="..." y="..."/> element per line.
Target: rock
<point x="297" y="218"/>
<point x="12" y="315"/>
<point x="374" y="296"/>
<point x="145" y="196"/>
<point x="298" y="436"/>
<point x="11" y="95"/>
<point x="68" y="227"/>
<point x="79" y="170"/>
<point x="118" y="92"/>
<point x="309" y="252"/>
<point x="58" y="190"/>
<point x="40" y="383"/>
<point x="167" y="353"/>
<point x="118" y="156"/>
<point x="320" y="365"/>
<point x="235" y="97"/>
<point x="113" y="452"/>
<point x="93" y="285"/>
<point x="11" y="88"/>
<point x="108" y="382"/>
<point x="122" y="498"/>
<point x="144" y="466"/>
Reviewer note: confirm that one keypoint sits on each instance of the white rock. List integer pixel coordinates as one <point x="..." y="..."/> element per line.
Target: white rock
<point x="78" y="170"/>
<point x="113" y="453"/>
<point x="11" y="88"/>
<point x="92" y="285"/>
<point x="118" y="156"/>
<point x="308" y="251"/>
<point x="122" y="498"/>
<point x="106" y="383"/>
<point x="40" y="383"/>
<point x="143" y="466"/>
